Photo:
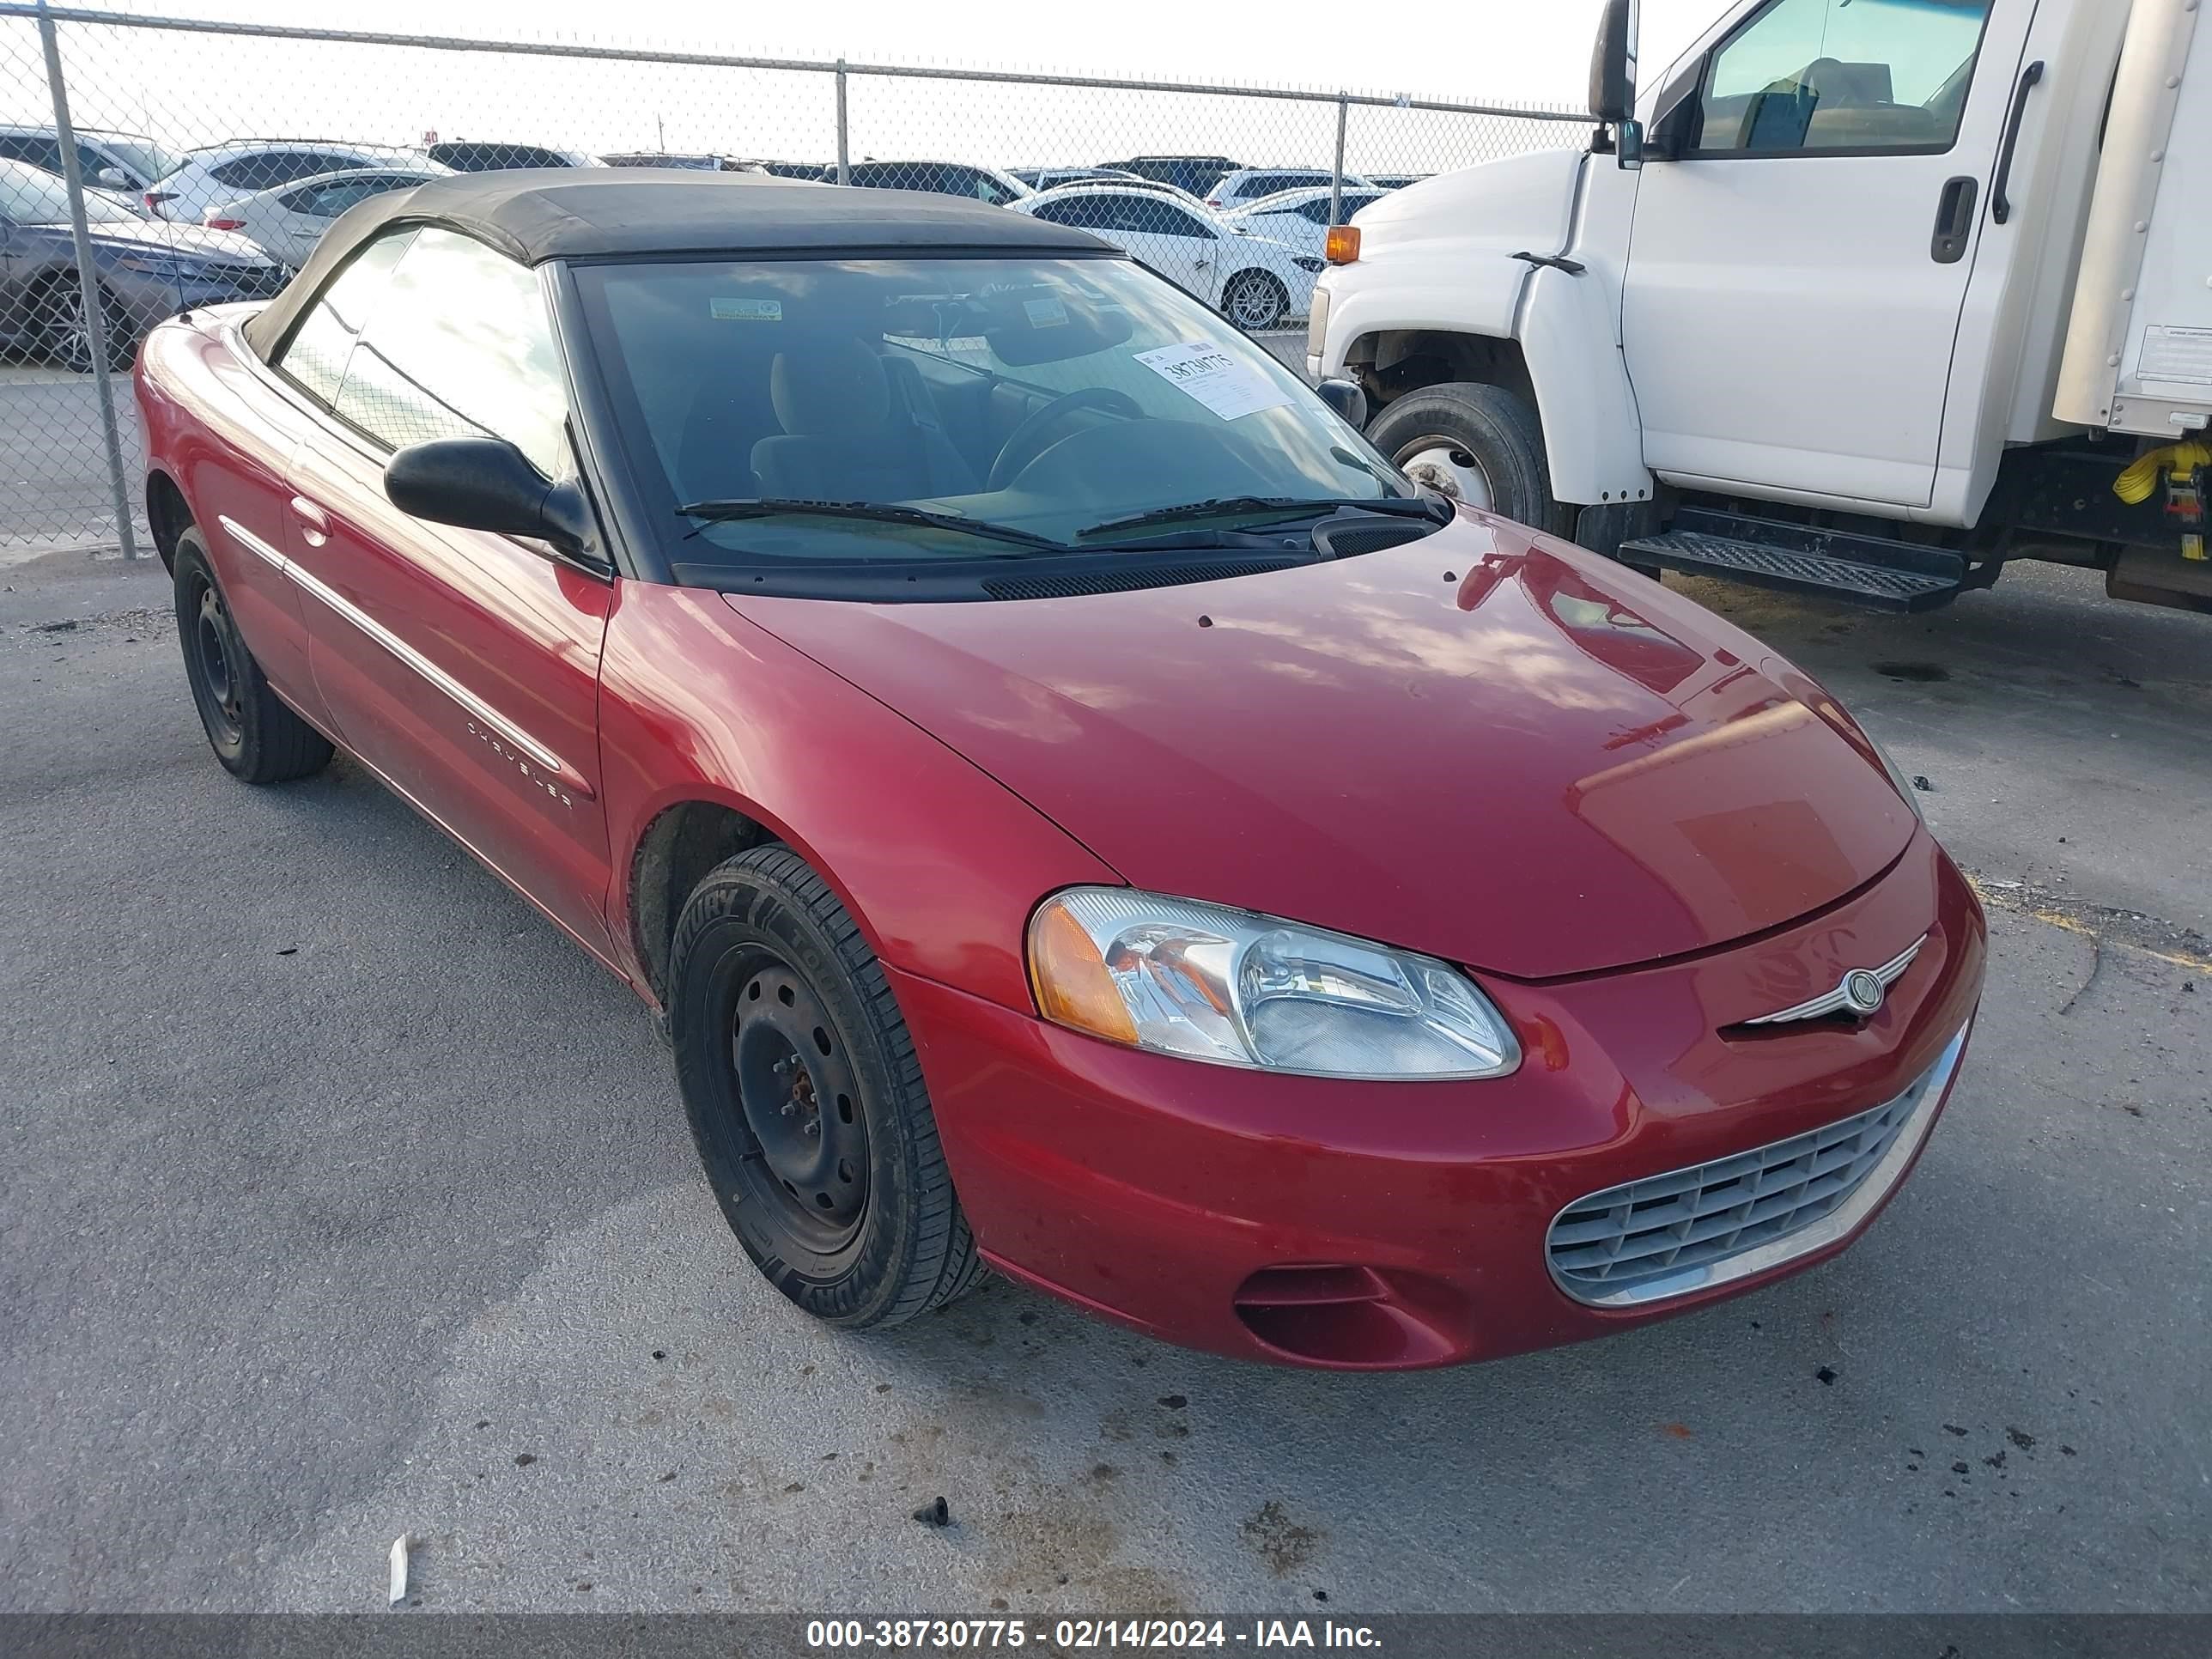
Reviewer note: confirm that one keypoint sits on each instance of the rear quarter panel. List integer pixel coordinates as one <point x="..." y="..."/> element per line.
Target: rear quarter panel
<point x="218" y="429"/>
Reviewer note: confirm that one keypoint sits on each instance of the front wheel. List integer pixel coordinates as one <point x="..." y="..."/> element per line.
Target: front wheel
<point x="1478" y="444"/>
<point x="1254" y="300"/>
<point x="806" y="1099"/>
<point x="69" y="336"/>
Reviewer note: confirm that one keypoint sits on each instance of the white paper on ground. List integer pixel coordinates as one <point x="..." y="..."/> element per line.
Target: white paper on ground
<point x="399" y="1570"/>
<point x="1228" y="388"/>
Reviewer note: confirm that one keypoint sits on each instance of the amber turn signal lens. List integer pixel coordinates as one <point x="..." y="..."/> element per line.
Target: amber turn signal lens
<point x="1343" y="245"/>
<point x="1070" y="978"/>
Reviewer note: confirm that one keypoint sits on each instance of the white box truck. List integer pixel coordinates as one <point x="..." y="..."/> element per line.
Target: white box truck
<point x="1866" y="298"/>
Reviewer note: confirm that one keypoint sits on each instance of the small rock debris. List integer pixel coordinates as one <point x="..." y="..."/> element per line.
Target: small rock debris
<point x="1827" y="1375"/>
<point x="1959" y="1468"/>
<point x="1952" y="1428"/>
<point x="1174" y="1402"/>
<point x="935" y="1513"/>
<point x="524" y="1460"/>
<point x="1206" y="622"/>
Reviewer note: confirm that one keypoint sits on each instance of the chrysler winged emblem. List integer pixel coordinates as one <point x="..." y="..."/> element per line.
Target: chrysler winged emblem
<point x="1861" y="995"/>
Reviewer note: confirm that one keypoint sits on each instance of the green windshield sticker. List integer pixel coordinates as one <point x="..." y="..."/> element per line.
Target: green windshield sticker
<point x="746" y="311"/>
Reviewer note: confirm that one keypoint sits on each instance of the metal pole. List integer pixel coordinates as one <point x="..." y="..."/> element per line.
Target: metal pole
<point x="844" y="149"/>
<point x="1336" y="184"/>
<point x="87" y="284"/>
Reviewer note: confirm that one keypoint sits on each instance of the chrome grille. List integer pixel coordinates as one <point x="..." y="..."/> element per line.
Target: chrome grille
<point x="1668" y="1235"/>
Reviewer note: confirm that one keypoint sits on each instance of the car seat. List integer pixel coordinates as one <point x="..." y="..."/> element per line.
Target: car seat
<point x="854" y="430"/>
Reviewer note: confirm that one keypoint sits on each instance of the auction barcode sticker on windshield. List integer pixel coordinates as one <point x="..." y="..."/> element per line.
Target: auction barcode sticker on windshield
<point x="1228" y="388"/>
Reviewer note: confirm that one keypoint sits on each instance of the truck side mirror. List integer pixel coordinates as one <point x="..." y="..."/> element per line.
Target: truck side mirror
<point x="1613" y="64"/>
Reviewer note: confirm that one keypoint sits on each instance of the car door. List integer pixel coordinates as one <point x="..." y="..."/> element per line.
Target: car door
<point x="461" y="664"/>
<point x="1171" y="240"/>
<point x="1797" y="271"/>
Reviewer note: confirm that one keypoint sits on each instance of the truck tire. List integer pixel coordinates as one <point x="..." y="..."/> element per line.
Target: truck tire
<point x="1478" y="444"/>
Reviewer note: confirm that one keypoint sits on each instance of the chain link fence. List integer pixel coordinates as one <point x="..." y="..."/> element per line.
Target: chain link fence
<point x="149" y="165"/>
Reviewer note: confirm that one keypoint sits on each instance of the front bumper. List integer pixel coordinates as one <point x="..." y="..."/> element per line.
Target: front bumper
<point x="1388" y="1226"/>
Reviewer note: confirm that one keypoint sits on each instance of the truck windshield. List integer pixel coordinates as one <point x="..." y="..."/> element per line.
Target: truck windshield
<point x="1034" y="397"/>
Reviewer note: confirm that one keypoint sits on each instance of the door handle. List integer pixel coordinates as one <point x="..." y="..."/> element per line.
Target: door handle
<point x="1954" y="220"/>
<point x="314" y="523"/>
<point x="2001" y="192"/>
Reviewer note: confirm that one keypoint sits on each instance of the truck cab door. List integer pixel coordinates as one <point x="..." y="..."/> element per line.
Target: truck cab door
<point x="1804" y="235"/>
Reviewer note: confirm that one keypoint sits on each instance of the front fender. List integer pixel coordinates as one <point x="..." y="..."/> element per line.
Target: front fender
<point x="1441" y="261"/>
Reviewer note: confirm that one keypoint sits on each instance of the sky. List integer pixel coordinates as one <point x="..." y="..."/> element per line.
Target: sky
<point x="191" y="88"/>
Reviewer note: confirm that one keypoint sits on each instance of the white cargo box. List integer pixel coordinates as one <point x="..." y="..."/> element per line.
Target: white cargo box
<point x="2139" y="346"/>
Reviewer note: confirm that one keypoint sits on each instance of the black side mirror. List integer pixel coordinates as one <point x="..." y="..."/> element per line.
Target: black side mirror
<point x="1613" y="64"/>
<point x="1347" y="399"/>
<point x="487" y="483"/>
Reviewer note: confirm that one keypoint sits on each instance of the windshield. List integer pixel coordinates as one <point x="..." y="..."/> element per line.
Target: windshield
<point x="31" y="196"/>
<point x="1050" y="397"/>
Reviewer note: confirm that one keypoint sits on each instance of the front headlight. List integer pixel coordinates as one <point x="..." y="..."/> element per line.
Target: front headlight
<point x="1206" y="982"/>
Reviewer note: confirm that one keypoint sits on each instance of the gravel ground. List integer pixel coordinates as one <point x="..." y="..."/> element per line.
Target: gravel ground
<point x="341" y="1197"/>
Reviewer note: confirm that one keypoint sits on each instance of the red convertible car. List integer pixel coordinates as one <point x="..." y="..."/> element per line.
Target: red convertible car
<point x="1072" y="804"/>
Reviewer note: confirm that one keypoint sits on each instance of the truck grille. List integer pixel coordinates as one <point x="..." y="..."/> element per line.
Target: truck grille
<point x="1689" y="1229"/>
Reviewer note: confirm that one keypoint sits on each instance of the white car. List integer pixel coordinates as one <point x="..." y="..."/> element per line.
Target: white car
<point x="1249" y="184"/>
<point x="1300" y="218"/>
<point x="1257" y="282"/>
<point x="216" y="173"/>
<point x="287" y="222"/>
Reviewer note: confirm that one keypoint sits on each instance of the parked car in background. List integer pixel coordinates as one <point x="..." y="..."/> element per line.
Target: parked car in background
<point x="125" y="161"/>
<point x="965" y="179"/>
<point x="216" y="173"/>
<point x="1052" y="178"/>
<point x="485" y="155"/>
<point x="147" y="270"/>
<point x="286" y="223"/>
<point x="1249" y="184"/>
<point x="812" y="172"/>
<point x="1258" y="282"/>
<point x="1394" y="180"/>
<point x="1196" y="174"/>
<point x="1301" y="218"/>
<point x="686" y="161"/>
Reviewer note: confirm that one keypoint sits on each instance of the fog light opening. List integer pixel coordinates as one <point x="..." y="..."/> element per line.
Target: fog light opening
<point x="1353" y="1318"/>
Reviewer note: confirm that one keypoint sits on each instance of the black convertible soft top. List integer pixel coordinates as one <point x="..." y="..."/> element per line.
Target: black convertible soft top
<point x="588" y="213"/>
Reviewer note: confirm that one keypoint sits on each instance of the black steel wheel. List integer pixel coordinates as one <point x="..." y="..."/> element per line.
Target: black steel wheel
<point x="253" y="732"/>
<point x="806" y="1099"/>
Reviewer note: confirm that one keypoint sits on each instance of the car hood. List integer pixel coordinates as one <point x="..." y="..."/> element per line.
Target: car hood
<point x="1485" y="745"/>
<point x="191" y="241"/>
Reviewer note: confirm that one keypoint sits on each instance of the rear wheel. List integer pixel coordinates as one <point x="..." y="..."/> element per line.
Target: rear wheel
<point x="1478" y="444"/>
<point x="68" y="336"/>
<point x="1254" y="300"/>
<point x="253" y="733"/>
<point x="806" y="1099"/>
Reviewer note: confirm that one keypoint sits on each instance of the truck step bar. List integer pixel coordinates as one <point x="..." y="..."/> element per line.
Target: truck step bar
<point x="1799" y="558"/>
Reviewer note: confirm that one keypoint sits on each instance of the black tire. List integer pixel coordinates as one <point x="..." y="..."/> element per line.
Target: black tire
<point x="1254" y="300"/>
<point x="255" y="736"/>
<point x="1487" y="427"/>
<point x="806" y="1099"/>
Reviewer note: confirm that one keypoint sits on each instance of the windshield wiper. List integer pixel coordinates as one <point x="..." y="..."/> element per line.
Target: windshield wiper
<point x="776" y="507"/>
<point x="1281" y="506"/>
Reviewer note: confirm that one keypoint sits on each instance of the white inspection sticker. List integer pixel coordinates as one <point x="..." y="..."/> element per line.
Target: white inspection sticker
<point x="725" y="309"/>
<point x="1228" y="388"/>
<point x="2182" y="355"/>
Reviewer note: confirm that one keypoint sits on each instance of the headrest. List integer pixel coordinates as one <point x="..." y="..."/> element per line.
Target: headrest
<point x="829" y="387"/>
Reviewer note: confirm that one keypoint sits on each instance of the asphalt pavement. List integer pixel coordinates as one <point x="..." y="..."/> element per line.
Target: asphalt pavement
<point x="341" y="1197"/>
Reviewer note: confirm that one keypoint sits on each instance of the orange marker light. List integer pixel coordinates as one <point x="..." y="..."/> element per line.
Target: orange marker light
<point x="1070" y="978"/>
<point x="1343" y="245"/>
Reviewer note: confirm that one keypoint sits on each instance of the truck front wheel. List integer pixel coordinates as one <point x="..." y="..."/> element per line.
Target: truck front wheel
<point x="1478" y="444"/>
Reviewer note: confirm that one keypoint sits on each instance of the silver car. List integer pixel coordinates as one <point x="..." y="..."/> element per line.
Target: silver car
<point x="286" y="223"/>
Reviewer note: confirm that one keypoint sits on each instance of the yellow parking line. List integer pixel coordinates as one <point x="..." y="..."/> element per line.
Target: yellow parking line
<point x="2020" y="904"/>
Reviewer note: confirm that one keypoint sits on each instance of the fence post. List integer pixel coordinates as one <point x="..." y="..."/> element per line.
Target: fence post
<point x="1336" y="183"/>
<point x="87" y="282"/>
<point x="844" y="150"/>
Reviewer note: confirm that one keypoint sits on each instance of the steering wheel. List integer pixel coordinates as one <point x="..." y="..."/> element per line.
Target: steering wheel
<point x="1026" y="443"/>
